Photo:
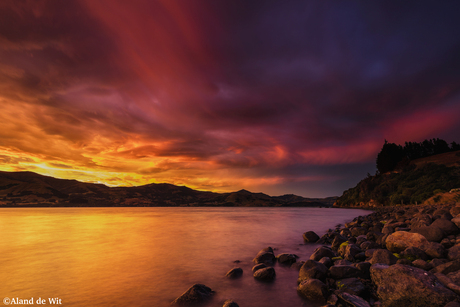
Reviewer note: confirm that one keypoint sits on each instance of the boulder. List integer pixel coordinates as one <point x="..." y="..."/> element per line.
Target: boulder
<point x="310" y="237"/>
<point x="344" y="271"/>
<point x="412" y="253"/>
<point x="338" y="240"/>
<point x="326" y="261"/>
<point x="235" y="273"/>
<point x="446" y="226"/>
<point x="314" y="290"/>
<point x="266" y="256"/>
<point x="258" y="267"/>
<point x="454" y="252"/>
<point x="357" y="231"/>
<point x="456" y="219"/>
<point x="402" y="285"/>
<point x="351" y="251"/>
<point x="230" y="303"/>
<point x="421" y="264"/>
<point x="383" y="256"/>
<point x="400" y="240"/>
<point x="352" y="300"/>
<point x="297" y="265"/>
<point x="197" y="293"/>
<point x="454" y="211"/>
<point x="265" y="274"/>
<point x="446" y="268"/>
<point x="434" y="250"/>
<point x="287" y="259"/>
<point x="351" y="285"/>
<point x="321" y="252"/>
<point x="312" y="270"/>
<point x="431" y="233"/>
<point x="364" y="268"/>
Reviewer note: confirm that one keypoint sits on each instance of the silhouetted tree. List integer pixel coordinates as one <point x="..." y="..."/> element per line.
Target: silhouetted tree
<point x="390" y="155"/>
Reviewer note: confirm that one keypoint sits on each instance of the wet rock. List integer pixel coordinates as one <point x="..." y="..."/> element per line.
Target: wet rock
<point x="343" y="271"/>
<point x="265" y="274"/>
<point x="399" y="241"/>
<point x="310" y="237"/>
<point x="197" y="293"/>
<point x="258" y="267"/>
<point x="352" y="300"/>
<point x="230" y="303"/>
<point x="312" y="270"/>
<point x="383" y="256"/>
<point x="287" y="259"/>
<point x="342" y="262"/>
<point x="402" y="285"/>
<point x="321" y="252"/>
<point x="314" y="290"/>
<point x="266" y="256"/>
<point x="297" y="265"/>
<point x="235" y="273"/>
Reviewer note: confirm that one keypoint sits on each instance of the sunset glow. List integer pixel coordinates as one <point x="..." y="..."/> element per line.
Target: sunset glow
<point x="283" y="97"/>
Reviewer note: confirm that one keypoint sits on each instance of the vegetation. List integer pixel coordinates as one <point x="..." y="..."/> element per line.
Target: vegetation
<point x="411" y="185"/>
<point x="391" y="156"/>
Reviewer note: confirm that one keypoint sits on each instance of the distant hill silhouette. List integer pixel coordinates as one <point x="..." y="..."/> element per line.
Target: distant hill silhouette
<point x="19" y="189"/>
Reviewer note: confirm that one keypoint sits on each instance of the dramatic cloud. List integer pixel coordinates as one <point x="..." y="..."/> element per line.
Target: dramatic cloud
<point x="279" y="97"/>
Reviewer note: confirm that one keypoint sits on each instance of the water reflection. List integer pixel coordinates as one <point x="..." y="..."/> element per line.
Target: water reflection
<point x="149" y="256"/>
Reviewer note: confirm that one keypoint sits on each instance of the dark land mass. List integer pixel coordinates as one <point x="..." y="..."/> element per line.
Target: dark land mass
<point x="28" y="189"/>
<point x="428" y="180"/>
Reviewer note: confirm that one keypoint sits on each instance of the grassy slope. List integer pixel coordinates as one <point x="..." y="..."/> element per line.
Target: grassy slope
<point x="417" y="182"/>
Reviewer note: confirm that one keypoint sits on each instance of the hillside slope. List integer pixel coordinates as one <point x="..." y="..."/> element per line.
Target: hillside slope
<point x="414" y="183"/>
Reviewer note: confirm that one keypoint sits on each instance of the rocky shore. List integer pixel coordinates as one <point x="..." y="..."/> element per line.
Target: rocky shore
<point x="395" y="256"/>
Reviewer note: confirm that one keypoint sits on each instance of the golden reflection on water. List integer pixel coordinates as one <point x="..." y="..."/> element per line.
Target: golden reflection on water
<point x="149" y="256"/>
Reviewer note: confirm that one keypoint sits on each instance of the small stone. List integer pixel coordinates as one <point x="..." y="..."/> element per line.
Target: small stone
<point x="230" y="303"/>
<point x="310" y="237"/>
<point x="265" y="274"/>
<point x="235" y="273"/>
<point x="313" y="289"/>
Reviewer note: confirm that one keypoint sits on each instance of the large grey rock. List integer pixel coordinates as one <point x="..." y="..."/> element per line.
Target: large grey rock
<point x="400" y="240"/>
<point x="313" y="289"/>
<point x="265" y="274"/>
<point x="401" y="285"/>
<point x="197" y="293"/>
<point x="312" y="269"/>
<point x="266" y="256"/>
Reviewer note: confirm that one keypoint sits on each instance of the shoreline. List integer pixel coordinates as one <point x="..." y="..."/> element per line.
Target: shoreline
<point x="395" y="256"/>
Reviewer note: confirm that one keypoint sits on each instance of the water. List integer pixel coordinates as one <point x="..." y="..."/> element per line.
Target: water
<point x="150" y="256"/>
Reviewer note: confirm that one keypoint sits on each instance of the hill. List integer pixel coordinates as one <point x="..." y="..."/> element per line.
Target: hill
<point x="31" y="189"/>
<point x="421" y="180"/>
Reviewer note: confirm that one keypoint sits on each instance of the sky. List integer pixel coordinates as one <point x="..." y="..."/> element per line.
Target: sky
<point x="279" y="97"/>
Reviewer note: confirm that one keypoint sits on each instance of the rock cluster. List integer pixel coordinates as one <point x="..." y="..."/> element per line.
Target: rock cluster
<point x="393" y="257"/>
<point x="403" y="256"/>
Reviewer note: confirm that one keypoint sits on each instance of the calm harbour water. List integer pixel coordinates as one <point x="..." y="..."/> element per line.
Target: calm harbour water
<point x="150" y="256"/>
